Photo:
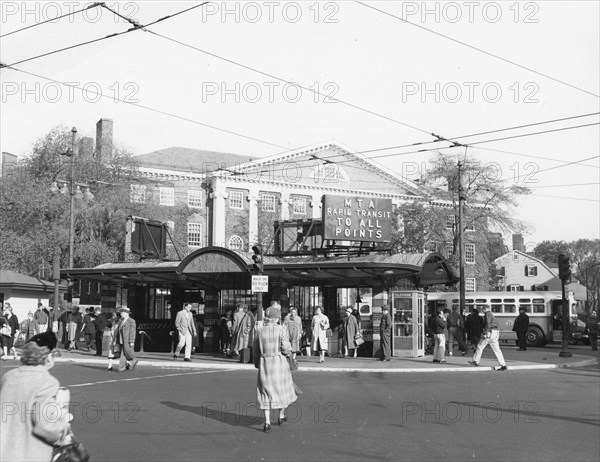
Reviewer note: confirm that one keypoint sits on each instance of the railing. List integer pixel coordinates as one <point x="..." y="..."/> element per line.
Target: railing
<point x="144" y="335"/>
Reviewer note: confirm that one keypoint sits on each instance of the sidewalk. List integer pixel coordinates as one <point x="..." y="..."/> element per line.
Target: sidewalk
<point x="538" y="358"/>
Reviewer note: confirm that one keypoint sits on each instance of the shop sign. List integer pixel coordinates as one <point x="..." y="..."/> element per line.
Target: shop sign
<point x="211" y="263"/>
<point x="357" y="219"/>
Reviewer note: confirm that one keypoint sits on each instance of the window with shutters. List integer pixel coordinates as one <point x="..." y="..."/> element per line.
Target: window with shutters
<point x="530" y="270"/>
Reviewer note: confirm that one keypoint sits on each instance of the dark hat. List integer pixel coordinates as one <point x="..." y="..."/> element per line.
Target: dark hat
<point x="385" y="307"/>
<point x="45" y="339"/>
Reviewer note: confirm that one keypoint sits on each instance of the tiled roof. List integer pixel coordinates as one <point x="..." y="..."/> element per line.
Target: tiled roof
<point x="12" y="278"/>
<point x="192" y="160"/>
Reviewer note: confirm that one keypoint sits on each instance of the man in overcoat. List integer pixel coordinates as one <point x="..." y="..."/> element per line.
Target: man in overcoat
<point x="100" y="325"/>
<point x="385" y="333"/>
<point x="126" y="339"/>
<point x="520" y="326"/>
<point x="350" y="331"/>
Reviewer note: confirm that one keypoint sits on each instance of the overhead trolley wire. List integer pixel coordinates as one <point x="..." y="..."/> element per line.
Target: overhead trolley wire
<point x="449" y="147"/>
<point x="148" y="108"/>
<point x="116" y="34"/>
<point x="93" y="5"/>
<point x="483" y="133"/>
<point x="478" y="49"/>
<point x="272" y="76"/>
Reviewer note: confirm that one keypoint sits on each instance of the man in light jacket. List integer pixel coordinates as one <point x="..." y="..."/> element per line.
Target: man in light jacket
<point x="184" y="322"/>
<point x="40" y="318"/>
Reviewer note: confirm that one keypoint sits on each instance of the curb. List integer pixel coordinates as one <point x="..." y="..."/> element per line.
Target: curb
<point x="239" y="366"/>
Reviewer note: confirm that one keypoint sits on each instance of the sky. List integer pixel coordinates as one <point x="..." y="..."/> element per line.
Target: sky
<point x="237" y="77"/>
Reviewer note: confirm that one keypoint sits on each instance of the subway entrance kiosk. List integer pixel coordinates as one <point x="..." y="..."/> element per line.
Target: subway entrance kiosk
<point x="408" y="316"/>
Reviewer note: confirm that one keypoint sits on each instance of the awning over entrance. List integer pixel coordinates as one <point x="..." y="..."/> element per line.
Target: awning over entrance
<point x="222" y="268"/>
<point x="424" y="269"/>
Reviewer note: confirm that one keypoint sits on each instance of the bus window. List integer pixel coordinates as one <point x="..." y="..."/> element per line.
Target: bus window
<point x="439" y="304"/>
<point x="496" y="308"/>
<point x="469" y="300"/>
<point x="527" y="308"/>
<point x="539" y="300"/>
<point x="539" y="308"/>
<point x="510" y="308"/>
<point x="524" y="300"/>
<point x="509" y="300"/>
<point x="496" y="300"/>
<point x="481" y="300"/>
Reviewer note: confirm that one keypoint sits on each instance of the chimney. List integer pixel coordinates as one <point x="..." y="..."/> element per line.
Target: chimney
<point x="86" y="148"/>
<point x="104" y="139"/>
<point x="518" y="242"/>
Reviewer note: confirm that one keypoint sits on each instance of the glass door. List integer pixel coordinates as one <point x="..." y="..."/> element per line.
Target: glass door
<point x="402" y="333"/>
<point x="408" y="316"/>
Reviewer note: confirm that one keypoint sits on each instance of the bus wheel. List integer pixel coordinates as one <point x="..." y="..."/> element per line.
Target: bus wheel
<point x="535" y="337"/>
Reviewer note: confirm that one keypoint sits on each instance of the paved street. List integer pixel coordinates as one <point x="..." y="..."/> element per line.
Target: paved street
<point x="159" y="414"/>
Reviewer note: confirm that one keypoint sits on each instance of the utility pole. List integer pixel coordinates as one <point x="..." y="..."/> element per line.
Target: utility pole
<point x="461" y="253"/>
<point x="72" y="194"/>
<point x="564" y="273"/>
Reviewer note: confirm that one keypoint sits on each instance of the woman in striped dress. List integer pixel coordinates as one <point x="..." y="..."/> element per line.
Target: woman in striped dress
<point x="274" y="386"/>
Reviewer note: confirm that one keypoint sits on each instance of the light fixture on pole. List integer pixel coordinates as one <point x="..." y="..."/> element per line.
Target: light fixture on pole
<point x="87" y="195"/>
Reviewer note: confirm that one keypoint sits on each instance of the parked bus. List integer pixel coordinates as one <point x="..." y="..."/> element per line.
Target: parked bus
<point x="543" y="308"/>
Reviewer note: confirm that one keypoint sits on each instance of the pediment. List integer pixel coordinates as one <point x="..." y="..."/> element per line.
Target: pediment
<point x="329" y="166"/>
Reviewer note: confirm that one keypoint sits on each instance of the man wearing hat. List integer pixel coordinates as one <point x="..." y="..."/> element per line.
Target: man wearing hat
<point x="385" y="333"/>
<point x="126" y="339"/>
<point x="350" y="331"/>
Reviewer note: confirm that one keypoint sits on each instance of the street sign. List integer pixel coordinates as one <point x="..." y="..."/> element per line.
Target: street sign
<point x="260" y="284"/>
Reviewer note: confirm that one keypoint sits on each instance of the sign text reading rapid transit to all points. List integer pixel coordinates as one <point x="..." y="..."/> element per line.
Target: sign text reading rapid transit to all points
<point x="357" y="218"/>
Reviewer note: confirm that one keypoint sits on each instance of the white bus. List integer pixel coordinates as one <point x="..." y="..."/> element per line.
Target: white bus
<point x="543" y="308"/>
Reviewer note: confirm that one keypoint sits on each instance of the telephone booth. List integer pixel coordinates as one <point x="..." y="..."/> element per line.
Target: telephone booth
<point x="408" y="314"/>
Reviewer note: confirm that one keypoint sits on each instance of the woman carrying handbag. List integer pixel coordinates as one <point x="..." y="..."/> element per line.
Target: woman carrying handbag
<point x="319" y="326"/>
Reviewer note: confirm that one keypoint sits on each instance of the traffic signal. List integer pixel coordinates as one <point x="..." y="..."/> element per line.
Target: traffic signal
<point x="257" y="267"/>
<point x="564" y="267"/>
